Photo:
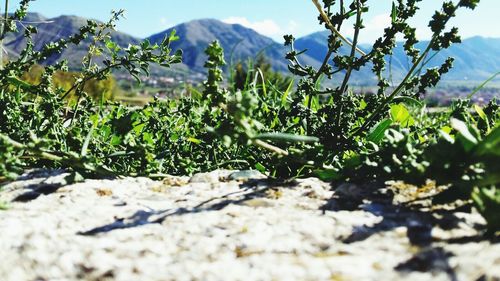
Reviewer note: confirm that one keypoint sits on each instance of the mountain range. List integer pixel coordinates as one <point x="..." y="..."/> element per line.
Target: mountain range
<point x="477" y="58"/>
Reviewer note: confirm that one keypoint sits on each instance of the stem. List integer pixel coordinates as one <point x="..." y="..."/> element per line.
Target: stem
<point x="396" y="91"/>
<point x="68" y="161"/>
<point x="2" y="31"/>
<point x="270" y="147"/>
<point x="410" y="74"/>
<point x="343" y="88"/>
<point x="86" y="79"/>
<point x="332" y="28"/>
<point x="325" y="63"/>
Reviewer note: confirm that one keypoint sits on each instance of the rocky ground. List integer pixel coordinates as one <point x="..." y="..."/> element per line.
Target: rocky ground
<point x="231" y="226"/>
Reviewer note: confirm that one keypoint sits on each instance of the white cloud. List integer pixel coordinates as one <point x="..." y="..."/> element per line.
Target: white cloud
<point x="379" y="22"/>
<point x="292" y="26"/>
<point x="374" y="28"/>
<point x="164" y="23"/>
<point x="265" y="27"/>
<point x="424" y="33"/>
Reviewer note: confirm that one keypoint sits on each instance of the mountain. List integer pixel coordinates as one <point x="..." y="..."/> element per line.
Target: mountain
<point x="239" y="43"/>
<point x="476" y="58"/>
<point x="50" y="30"/>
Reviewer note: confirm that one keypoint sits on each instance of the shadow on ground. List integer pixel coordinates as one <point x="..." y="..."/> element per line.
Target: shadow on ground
<point x="251" y="189"/>
<point x="418" y="221"/>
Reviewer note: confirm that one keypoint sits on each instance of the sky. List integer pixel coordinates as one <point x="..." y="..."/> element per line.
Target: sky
<point x="272" y="18"/>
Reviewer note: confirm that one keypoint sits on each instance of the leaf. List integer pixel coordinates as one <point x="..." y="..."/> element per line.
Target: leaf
<point x="490" y="144"/>
<point x="408" y="101"/>
<point x="260" y="167"/>
<point x="4" y="206"/>
<point x="401" y="115"/>
<point x="261" y="74"/>
<point x="284" y="98"/>
<point x="482" y="85"/>
<point x="378" y="132"/>
<point x="85" y="145"/>
<point x="394" y="12"/>
<point x="194" y="140"/>
<point x="487" y="202"/>
<point x="446" y="135"/>
<point x="328" y="174"/>
<point x="20" y="83"/>
<point x="283" y="137"/>
<point x="461" y="127"/>
<point x="173" y="36"/>
<point x="480" y="112"/>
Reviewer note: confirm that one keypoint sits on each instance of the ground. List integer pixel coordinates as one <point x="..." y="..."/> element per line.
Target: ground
<point x="229" y="225"/>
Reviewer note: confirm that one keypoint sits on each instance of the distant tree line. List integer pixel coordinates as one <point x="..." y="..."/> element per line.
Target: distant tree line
<point x="104" y="89"/>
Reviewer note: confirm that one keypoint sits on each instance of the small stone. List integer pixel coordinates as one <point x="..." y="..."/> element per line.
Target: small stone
<point x="212" y="177"/>
<point x="258" y="203"/>
<point x="175" y="181"/>
<point x="246" y="175"/>
<point x="104" y="192"/>
<point x="349" y="191"/>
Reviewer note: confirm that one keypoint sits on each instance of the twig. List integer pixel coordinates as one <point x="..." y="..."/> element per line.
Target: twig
<point x="332" y="27"/>
<point x="2" y="31"/>
<point x="270" y="147"/>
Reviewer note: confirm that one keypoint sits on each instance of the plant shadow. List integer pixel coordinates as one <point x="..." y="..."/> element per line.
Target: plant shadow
<point x="249" y="190"/>
<point x="44" y="187"/>
<point x="418" y="221"/>
<point x="44" y="182"/>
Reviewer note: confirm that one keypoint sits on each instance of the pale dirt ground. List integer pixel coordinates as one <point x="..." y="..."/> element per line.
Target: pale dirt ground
<point x="210" y="227"/>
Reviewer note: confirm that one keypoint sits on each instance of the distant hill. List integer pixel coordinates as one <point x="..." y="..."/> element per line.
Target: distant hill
<point x="52" y="29"/>
<point x="239" y="43"/>
<point x="477" y="58"/>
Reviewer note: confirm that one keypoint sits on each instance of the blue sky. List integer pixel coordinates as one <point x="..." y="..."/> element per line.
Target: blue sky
<point x="269" y="17"/>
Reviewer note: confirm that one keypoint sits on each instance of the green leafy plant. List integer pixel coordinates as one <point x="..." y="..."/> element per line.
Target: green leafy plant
<point x="260" y="121"/>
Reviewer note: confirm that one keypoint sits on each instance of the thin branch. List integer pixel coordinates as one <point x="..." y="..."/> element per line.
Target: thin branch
<point x="270" y="147"/>
<point x="332" y="27"/>
<point x="2" y="31"/>
<point x="347" y="76"/>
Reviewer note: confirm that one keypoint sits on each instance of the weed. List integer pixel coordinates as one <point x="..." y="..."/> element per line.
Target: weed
<point x="263" y="123"/>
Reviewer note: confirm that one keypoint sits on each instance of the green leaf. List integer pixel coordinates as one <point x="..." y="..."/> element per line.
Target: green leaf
<point x="260" y="167"/>
<point x="463" y="130"/>
<point x="394" y="13"/>
<point x="482" y="85"/>
<point x="173" y="36"/>
<point x="401" y="115"/>
<point x="284" y="98"/>
<point x="378" y="132"/>
<point x="490" y="144"/>
<point x="4" y="206"/>
<point x="194" y="140"/>
<point x="446" y="135"/>
<point x="480" y="112"/>
<point x="408" y="101"/>
<point x="487" y="202"/>
<point x="20" y="83"/>
<point x="86" y="142"/>
<point x="327" y="174"/>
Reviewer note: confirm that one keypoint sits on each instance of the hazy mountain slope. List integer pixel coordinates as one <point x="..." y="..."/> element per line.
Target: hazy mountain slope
<point x="239" y="43"/>
<point x="476" y="58"/>
<point x="50" y="30"/>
